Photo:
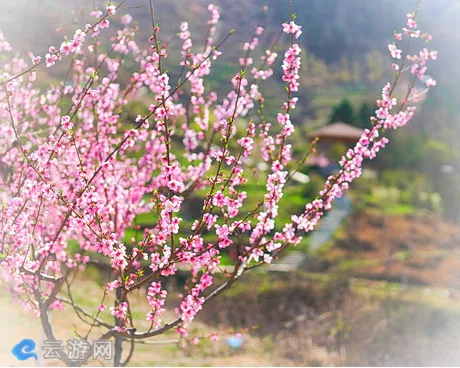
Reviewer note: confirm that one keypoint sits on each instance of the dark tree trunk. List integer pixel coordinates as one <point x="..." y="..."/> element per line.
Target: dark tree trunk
<point x="118" y="340"/>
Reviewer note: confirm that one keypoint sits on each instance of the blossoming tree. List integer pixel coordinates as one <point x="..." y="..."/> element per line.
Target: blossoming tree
<point x="73" y="168"/>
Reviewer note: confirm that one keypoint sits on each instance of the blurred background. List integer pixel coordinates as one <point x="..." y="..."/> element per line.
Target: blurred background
<point x="378" y="283"/>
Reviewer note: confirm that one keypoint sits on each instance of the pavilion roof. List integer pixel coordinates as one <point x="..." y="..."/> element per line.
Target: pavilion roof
<point x="338" y="132"/>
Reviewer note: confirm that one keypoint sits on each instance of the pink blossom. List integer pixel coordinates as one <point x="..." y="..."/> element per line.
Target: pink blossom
<point x="120" y="311"/>
<point x="113" y="285"/>
<point x="395" y="52"/>
<point x="430" y="82"/>
<point x="66" y="123"/>
<point x="411" y="23"/>
<point x="111" y="10"/>
<point x="4" y="45"/>
<point x="126" y="19"/>
<point x="80" y="181"/>
<point x="50" y="60"/>
<point x="293" y="28"/>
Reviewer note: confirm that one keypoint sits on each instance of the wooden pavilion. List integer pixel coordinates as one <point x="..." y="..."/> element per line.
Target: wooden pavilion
<point x="338" y="132"/>
<point x="330" y="135"/>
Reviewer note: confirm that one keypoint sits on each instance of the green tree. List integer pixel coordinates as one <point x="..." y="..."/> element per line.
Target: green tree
<point x="343" y="112"/>
<point x="364" y="114"/>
